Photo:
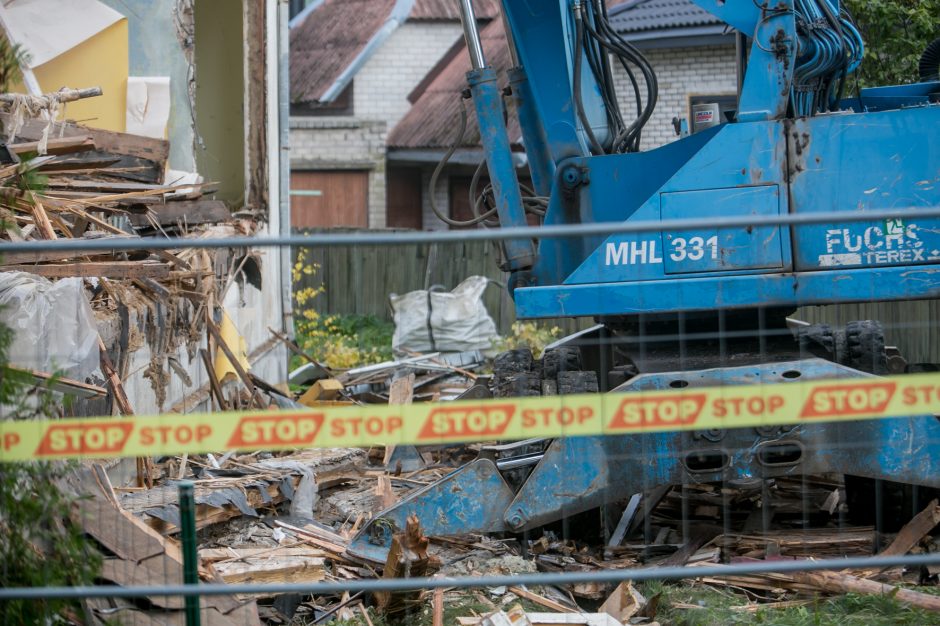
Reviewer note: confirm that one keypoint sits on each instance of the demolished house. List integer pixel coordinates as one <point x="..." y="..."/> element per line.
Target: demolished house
<point x="197" y="155"/>
<point x="136" y="119"/>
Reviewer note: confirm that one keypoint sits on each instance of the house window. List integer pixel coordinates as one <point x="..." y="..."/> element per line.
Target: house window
<point x="329" y="198"/>
<point x="341" y="105"/>
<point x="726" y="103"/>
<point x="296" y="6"/>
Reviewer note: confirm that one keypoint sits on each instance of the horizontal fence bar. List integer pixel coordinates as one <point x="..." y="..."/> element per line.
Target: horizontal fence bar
<point x="405" y="584"/>
<point x="499" y="234"/>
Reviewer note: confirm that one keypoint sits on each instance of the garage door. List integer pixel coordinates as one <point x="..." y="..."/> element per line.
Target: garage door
<point x="322" y="199"/>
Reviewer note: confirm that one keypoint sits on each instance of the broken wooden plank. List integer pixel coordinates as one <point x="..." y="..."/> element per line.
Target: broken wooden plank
<point x="64" y="385"/>
<point x="400" y="392"/>
<point x="151" y="572"/>
<point x="214" y="555"/>
<point x="214" y="387"/>
<point x="323" y="538"/>
<point x="541" y="600"/>
<point x="61" y="145"/>
<point x="190" y="212"/>
<point x="272" y="569"/>
<point x="915" y="530"/>
<point x="437" y="608"/>
<point x="41" y="218"/>
<point x="117" y="387"/>
<point x="838" y="582"/>
<point x="113" y="269"/>
<point x="108" y="525"/>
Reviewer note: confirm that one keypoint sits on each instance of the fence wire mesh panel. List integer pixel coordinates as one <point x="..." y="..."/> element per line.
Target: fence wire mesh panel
<point x="427" y="461"/>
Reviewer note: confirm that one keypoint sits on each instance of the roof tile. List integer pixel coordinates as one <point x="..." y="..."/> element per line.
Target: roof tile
<point x="328" y="40"/>
<point x="645" y="15"/>
<point x="448" y="10"/>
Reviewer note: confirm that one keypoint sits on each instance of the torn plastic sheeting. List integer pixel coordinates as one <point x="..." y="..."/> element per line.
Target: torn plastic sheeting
<point x="457" y="320"/>
<point x="53" y="325"/>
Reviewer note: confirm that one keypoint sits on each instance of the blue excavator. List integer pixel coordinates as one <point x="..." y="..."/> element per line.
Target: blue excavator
<point x="813" y="191"/>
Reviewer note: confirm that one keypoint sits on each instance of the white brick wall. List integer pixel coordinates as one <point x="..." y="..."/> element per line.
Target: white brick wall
<point x="681" y="72"/>
<point x="384" y="82"/>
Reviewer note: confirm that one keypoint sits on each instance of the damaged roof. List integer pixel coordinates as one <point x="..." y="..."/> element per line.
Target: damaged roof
<point x="432" y="121"/>
<point x="331" y="40"/>
<point x="448" y="10"/>
<point x="434" y="118"/>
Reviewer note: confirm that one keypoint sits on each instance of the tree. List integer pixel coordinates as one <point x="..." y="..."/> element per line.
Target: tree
<point x="39" y="546"/>
<point x="896" y="32"/>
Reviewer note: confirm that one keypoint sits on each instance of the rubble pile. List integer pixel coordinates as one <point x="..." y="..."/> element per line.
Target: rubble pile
<point x="290" y="517"/>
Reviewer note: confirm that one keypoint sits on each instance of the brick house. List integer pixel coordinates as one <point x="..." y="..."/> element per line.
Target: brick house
<point x="375" y="110"/>
<point x="354" y="64"/>
<point x="693" y="55"/>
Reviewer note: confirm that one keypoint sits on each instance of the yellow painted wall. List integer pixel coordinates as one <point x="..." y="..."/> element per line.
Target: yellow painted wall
<point x="101" y="61"/>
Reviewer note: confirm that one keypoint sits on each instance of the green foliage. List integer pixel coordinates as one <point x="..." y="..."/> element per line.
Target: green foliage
<point x="530" y="335"/>
<point x="38" y="545"/>
<point x="717" y="606"/>
<point x="346" y="341"/>
<point x="27" y="178"/>
<point x="895" y="33"/>
<point x="338" y="341"/>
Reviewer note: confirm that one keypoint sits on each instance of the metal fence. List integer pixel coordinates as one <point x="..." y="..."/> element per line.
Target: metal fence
<point x="769" y="518"/>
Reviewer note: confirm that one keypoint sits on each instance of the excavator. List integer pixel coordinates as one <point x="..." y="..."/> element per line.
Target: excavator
<point x="813" y="191"/>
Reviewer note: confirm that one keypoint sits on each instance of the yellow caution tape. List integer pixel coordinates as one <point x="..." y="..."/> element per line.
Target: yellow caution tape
<point x="478" y="420"/>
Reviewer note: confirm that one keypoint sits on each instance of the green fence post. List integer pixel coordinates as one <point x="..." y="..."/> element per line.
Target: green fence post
<point x="190" y="557"/>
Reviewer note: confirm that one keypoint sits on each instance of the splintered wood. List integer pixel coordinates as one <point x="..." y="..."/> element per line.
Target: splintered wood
<point x="407" y="558"/>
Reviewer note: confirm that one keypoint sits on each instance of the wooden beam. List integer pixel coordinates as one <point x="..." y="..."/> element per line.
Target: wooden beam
<point x="837" y="582"/>
<point x="214" y="387"/>
<point x="62" y="145"/>
<point x="65" y="385"/>
<point x="186" y="211"/>
<point x="113" y="269"/>
<point x="401" y="391"/>
<point x="41" y="219"/>
<point x="914" y="531"/>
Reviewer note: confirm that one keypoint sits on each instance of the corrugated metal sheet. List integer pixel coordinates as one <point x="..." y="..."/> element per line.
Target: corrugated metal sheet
<point x="433" y="120"/>
<point x="325" y="43"/>
<point x="447" y="10"/>
<point x="647" y="15"/>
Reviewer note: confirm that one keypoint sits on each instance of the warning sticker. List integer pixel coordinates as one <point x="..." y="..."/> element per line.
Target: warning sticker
<point x="501" y="419"/>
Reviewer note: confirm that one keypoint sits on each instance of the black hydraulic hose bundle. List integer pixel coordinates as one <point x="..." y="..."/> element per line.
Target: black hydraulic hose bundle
<point x="929" y="67"/>
<point x="594" y="39"/>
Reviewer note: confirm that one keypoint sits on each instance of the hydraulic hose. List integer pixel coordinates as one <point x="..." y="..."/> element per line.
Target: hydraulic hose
<point x="929" y="66"/>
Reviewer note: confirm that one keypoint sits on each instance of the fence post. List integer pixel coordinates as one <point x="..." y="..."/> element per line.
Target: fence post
<point x="190" y="558"/>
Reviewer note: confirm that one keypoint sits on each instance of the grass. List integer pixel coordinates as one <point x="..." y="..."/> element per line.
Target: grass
<point x="717" y="609"/>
